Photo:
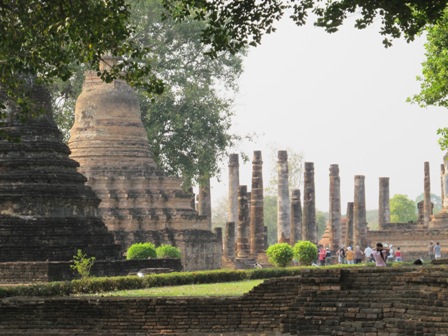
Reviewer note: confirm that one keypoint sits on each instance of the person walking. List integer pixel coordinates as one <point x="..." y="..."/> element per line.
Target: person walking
<point x="350" y="255"/>
<point x="368" y="252"/>
<point x="431" y="250"/>
<point x="341" y="255"/>
<point x="437" y="251"/>
<point x="358" y="255"/>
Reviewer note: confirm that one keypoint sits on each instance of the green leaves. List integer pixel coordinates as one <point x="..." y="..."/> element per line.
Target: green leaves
<point x="234" y="25"/>
<point x="42" y="39"/>
<point x="280" y="254"/>
<point x="305" y="252"/>
<point x="402" y="209"/>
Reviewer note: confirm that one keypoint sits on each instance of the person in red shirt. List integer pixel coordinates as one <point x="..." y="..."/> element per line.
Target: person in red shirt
<point x="398" y="255"/>
<point x="322" y="254"/>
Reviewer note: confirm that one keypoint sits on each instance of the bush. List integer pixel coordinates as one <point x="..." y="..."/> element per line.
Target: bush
<point x="141" y="251"/>
<point x="168" y="251"/>
<point x="280" y="254"/>
<point x="305" y="252"/>
<point x="82" y="264"/>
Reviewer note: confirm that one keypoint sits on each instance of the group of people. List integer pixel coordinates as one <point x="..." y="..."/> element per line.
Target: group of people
<point x="435" y="251"/>
<point x="379" y="255"/>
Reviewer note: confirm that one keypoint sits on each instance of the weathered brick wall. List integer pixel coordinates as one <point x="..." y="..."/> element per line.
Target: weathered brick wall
<point x="412" y="238"/>
<point x="29" y="272"/>
<point x="365" y="301"/>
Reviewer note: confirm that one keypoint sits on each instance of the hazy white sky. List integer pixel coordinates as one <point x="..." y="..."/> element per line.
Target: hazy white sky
<point x="339" y="99"/>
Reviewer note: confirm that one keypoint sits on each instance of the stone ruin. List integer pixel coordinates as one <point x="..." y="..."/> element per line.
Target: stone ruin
<point x="295" y="224"/>
<point x="414" y="237"/>
<point x="47" y="212"/>
<point x="139" y="202"/>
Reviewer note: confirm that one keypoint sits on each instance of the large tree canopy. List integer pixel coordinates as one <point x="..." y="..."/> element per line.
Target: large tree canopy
<point x="233" y="25"/>
<point x="189" y="124"/>
<point x="43" y="39"/>
<point x="434" y="79"/>
<point x="402" y="209"/>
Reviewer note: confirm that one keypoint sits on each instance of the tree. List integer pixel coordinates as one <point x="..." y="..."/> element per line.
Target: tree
<point x="436" y="200"/>
<point x="82" y="264"/>
<point x="43" y="39"/>
<point x="220" y="213"/>
<point x="168" y="251"/>
<point x="236" y="24"/>
<point x="270" y="217"/>
<point x="188" y="125"/>
<point x="321" y="222"/>
<point x="280" y="254"/>
<point x="372" y="219"/>
<point x="402" y="209"/>
<point x="141" y="251"/>
<point x="305" y="252"/>
<point x="434" y="86"/>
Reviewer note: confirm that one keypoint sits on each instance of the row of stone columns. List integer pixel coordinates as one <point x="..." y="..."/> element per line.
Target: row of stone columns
<point x="246" y="221"/>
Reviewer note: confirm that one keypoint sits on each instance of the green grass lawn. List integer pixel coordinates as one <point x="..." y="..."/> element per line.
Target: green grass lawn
<point x="216" y="289"/>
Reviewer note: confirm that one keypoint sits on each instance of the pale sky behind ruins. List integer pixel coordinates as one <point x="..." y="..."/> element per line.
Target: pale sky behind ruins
<point x="339" y="99"/>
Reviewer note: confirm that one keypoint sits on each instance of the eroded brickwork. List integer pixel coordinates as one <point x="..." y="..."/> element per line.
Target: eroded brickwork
<point x="46" y="209"/>
<point x="357" y="301"/>
<point x="138" y="200"/>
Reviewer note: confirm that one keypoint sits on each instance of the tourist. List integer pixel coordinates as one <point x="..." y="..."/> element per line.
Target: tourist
<point x="368" y="252"/>
<point x="437" y="251"/>
<point x="322" y="254"/>
<point x="341" y="255"/>
<point x="398" y="255"/>
<point x="328" y="257"/>
<point x="358" y="255"/>
<point x="350" y="255"/>
<point x="390" y="256"/>
<point x="431" y="250"/>
<point x="380" y="255"/>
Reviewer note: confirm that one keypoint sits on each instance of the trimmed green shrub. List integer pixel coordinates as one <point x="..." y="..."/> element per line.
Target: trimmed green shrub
<point x="305" y="252"/>
<point x="280" y="254"/>
<point x="168" y="251"/>
<point x="141" y="251"/>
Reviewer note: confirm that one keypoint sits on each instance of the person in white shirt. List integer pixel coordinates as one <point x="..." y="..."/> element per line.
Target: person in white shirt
<point x="368" y="252"/>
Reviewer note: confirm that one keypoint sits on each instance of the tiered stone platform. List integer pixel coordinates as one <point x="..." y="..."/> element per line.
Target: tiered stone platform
<point x="354" y="301"/>
<point x="412" y="238"/>
<point x="46" y="210"/>
<point x="139" y="202"/>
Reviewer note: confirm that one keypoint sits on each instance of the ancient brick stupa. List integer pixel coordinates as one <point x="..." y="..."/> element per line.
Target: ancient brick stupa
<point x="139" y="202"/>
<point x="46" y="210"/>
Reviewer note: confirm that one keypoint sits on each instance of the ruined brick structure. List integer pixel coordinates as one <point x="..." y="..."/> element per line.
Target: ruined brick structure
<point x="283" y="204"/>
<point x="234" y="182"/>
<point x="334" y="220"/>
<point x="359" y="213"/>
<point x="354" y="301"/>
<point x="257" y="246"/>
<point x="46" y="210"/>
<point x="309" y="227"/>
<point x="414" y="237"/>
<point x="348" y="241"/>
<point x="383" y="206"/>
<point x="243" y="236"/>
<point x="296" y="217"/>
<point x="139" y="202"/>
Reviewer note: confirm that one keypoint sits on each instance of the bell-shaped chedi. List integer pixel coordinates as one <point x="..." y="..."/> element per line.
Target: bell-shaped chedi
<point x="46" y="210"/>
<point x="138" y="201"/>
